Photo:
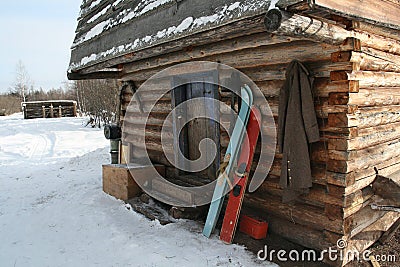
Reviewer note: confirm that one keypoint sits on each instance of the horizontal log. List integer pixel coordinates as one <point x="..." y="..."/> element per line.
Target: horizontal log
<point x="250" y="58"/>
<point x="351" y="182"/>
<point x="270" y="84"/>
<point x="297" y="25"/>
<point x="324" y="87"/>
<point x="321" y="195"/>
<point x="301" y="26"/>
<point x="369" y="60"/>
<point x="153" y="133"/>
<point x="340" y="179"/>
<point x="299" y="213"/>
<point x="318" y="172"/>
<point x="375" y="96"/>
<point x="338" y="132"/>
<point x="300" y="234"/>
<point x="271" y="71"/>
<point x="366" y="27"/>
<point x="377" y="42"/>
<point x="154" y="119"/>
<point x="366" y="158"/>
<point x="359" y="179"/>
<point x="367" y="79"/>
<point x="366" y="117"/>
<point x="156" y="95"/>
<point x="205" y="52"/>
<point x="339" y="212"/>
<point x="147" y="106"/>
<point x="375" y="79"/>
<point x="370" y="137"/>
<point x="151" y="144"/>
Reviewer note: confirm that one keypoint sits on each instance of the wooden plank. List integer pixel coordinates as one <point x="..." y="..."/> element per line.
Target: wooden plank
<point x="201" y="128"/>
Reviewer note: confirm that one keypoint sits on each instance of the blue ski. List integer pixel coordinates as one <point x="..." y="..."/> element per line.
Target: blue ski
<point x="229" y="162"/>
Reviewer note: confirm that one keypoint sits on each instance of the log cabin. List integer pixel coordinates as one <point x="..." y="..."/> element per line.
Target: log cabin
<point x="352" y="49"/>
<point x="48" y="109"/>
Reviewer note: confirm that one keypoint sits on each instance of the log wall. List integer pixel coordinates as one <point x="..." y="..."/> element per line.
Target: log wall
<point x="357" y="99"/>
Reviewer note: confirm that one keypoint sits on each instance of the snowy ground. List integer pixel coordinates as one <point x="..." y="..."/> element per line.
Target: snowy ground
<point x="53" y="211"/>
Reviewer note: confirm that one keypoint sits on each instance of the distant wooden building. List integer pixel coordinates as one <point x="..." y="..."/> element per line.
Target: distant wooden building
<point x="49" y="109"/>
<point x="353" y="50"/>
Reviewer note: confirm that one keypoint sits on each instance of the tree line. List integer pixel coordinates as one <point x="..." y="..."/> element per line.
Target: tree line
<point x="97" y="99"/>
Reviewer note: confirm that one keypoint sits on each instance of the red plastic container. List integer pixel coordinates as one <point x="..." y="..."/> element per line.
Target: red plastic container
<point x="255" y="228"/>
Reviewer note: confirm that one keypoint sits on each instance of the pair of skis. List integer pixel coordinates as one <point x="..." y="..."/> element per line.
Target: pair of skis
<point x="252" y="118"/>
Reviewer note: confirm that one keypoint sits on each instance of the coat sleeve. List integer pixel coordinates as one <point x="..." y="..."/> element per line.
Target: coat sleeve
<point x="308" y="110"/>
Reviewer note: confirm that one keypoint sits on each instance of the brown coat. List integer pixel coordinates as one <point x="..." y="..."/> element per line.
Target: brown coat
<point x="297" y="127"/>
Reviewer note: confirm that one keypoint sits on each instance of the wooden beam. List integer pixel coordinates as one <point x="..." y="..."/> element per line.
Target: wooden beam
<point x="284" y="23"/>
<point x="95" y="75"/>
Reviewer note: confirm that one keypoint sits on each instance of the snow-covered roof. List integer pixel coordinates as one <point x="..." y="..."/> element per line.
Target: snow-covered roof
<point x="108" y="29"/>
<point x="114" y="32"/>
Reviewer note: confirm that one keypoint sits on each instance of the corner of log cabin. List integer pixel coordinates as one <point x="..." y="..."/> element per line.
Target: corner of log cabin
<point x="356" y="65"/>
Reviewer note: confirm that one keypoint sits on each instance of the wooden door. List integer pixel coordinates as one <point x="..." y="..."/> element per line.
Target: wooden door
<point x="198" y="128"/>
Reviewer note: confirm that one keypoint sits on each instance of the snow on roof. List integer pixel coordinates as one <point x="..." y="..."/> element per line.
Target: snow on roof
<point x="222" y="14"/>
<point x="125" y="15"/>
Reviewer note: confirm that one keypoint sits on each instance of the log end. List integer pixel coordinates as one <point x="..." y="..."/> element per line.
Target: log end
<point x="273" y="20"/>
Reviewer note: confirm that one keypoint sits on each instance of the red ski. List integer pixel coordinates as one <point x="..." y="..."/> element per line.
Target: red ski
<point x="241" y="177"/>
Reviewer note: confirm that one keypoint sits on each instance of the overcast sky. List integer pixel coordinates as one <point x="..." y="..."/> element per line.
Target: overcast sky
<point x="40" y="34"/>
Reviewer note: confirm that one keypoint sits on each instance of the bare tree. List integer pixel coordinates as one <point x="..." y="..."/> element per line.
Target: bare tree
<point x="22" y="81"/>
<point x="98" y="99"/>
